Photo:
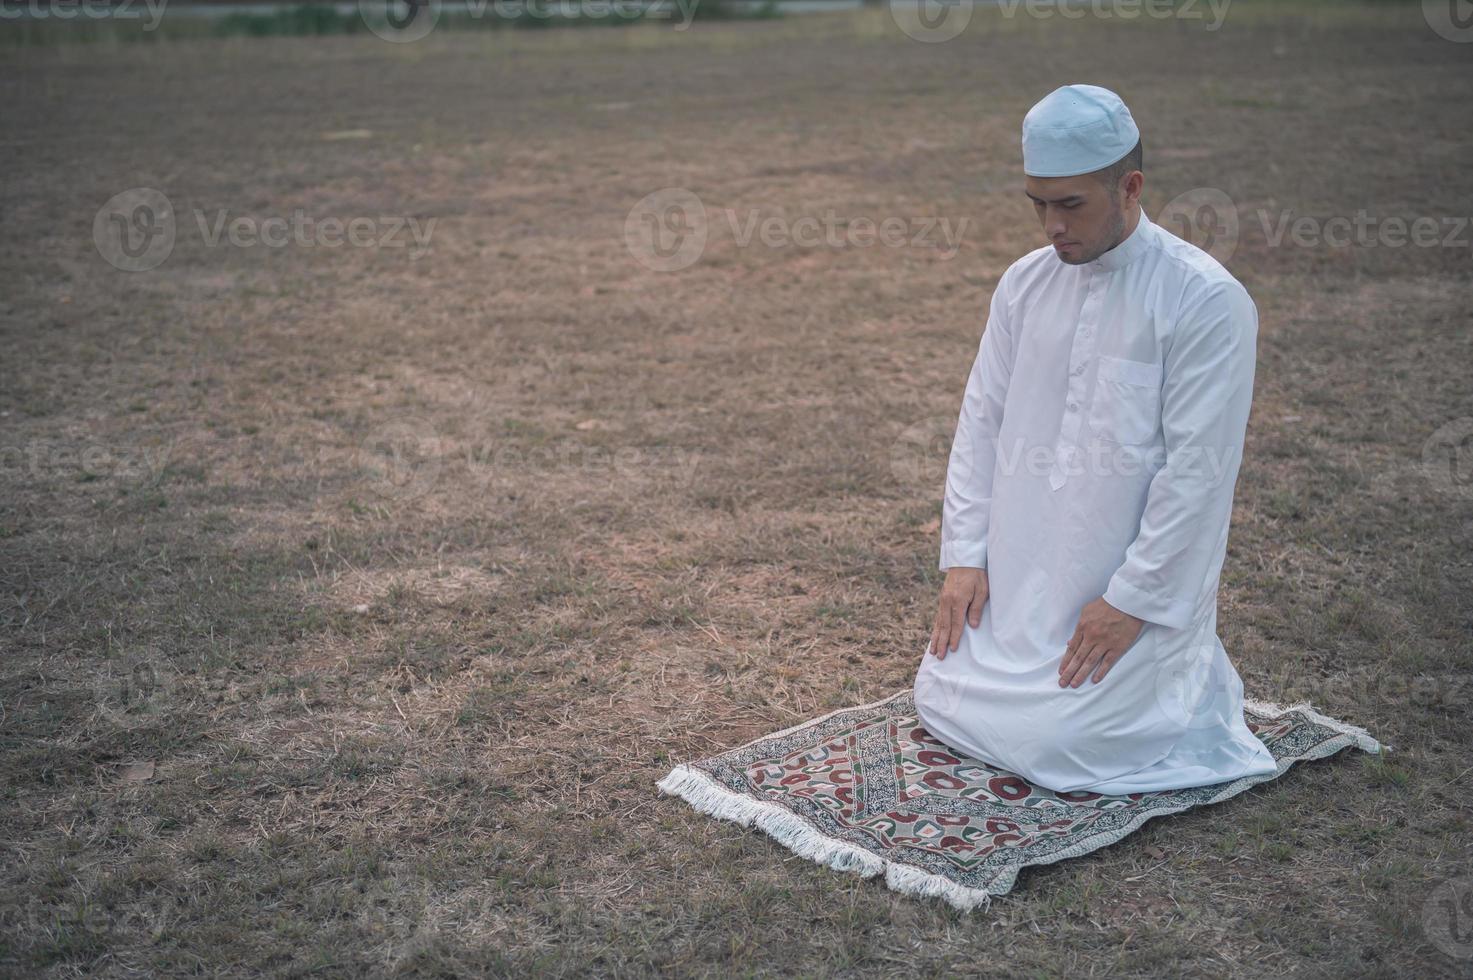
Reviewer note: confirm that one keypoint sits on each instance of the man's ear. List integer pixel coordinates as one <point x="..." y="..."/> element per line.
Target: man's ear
<point x="1135" y="182"/>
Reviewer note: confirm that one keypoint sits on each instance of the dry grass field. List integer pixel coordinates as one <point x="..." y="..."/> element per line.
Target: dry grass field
<point x="355" y="598"/>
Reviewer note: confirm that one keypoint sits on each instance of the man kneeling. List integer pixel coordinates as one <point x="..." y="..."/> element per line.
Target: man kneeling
<point x="1089" y="489"/>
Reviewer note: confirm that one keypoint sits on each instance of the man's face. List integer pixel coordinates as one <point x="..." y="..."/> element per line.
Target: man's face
<point x="1079" y="216"/>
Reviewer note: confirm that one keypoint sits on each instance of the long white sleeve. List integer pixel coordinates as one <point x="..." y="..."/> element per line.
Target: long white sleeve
<point x="1206" y="394"/>
<point x="968" y="498"/>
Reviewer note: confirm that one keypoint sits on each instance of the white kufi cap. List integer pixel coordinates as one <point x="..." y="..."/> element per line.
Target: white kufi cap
<point x="1076" y="129"/>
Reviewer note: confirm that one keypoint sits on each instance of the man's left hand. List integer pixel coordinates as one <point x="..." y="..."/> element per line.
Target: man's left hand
<point x="1102" y="637"/>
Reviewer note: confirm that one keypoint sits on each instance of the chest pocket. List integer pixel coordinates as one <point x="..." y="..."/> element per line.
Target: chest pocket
<point x="1127" y="401"/>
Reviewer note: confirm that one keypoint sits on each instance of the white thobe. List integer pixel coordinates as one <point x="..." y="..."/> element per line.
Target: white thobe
<point x="1096" y="454"/>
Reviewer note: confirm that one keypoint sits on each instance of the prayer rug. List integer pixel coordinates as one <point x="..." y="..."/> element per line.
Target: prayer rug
<point x="869" y="790"/>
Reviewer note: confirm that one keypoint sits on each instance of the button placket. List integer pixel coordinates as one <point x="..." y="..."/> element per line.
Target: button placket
<point x="1082" y="352"/>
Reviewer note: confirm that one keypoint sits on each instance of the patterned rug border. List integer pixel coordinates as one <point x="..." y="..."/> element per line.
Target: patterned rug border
<point x="802" y="838"/>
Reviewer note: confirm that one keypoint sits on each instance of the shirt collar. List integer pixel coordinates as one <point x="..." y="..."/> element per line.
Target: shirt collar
<point x="1132" y="247"/>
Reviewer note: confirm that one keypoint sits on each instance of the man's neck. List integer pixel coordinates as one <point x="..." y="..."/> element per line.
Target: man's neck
<point x="1131" y="221"/>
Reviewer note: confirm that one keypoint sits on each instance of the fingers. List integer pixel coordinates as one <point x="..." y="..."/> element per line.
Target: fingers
<point x="941" y="632"/>
<point x="1071" y="667"/>
<point x="974" y="609"/>
<point x="1106" y="663"/>
<point x="1068" y="663"/>
<point x="961" y="604"/>
<point x="1070" y="652"/>
<point x="1082" y="666"/>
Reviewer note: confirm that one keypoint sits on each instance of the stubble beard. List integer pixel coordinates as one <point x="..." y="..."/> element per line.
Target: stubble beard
<point x="1114" y="233"/>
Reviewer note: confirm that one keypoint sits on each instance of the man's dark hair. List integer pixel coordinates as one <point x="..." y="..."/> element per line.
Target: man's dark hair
<point x="1111" y="175"/>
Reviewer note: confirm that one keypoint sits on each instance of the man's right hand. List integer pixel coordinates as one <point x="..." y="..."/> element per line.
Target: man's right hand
<point x="962" y="596"/>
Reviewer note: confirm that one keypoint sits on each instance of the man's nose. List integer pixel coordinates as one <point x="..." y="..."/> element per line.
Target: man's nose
<point x="1054" y="226"/>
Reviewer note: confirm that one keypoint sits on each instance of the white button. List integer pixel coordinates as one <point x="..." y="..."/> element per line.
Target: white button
<point x="1072" y="406"/>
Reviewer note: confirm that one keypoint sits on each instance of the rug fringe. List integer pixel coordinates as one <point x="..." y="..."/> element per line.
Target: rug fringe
<point x="710" y="797"/>
<point x="1364" y="740"/>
